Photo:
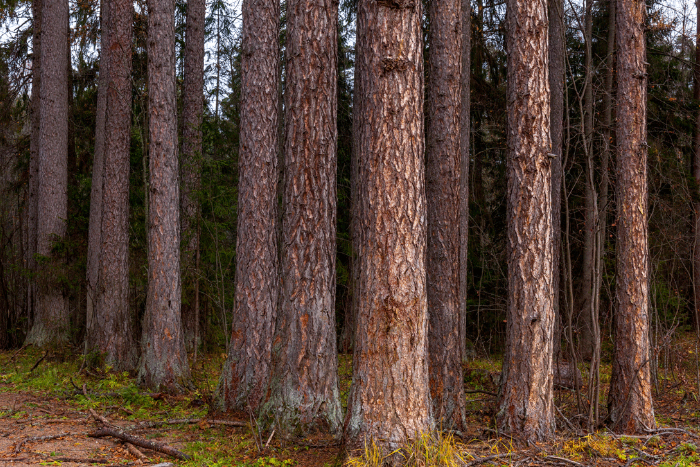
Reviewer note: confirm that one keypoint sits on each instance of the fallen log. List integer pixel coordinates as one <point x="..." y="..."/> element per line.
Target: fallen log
<point x="138" y="441"/>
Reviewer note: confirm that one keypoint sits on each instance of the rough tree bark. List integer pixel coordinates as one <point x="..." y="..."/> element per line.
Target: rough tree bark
<point x="696" y="174"/>
<point x="442" y="180"/>
<point x="163" y="358"/>
<point x="245" y="375"/>
<point x="95" y="221"/>
<point x="557" y="68"/>
<point x="389" y="400"/>
<point x="526" y="393"/>
<point x="304" y="381"/>
<point x="464" y="149"/>
<point x="630" y="402"/>
<point x="191" y="168"/>
<point x="51" y="320"/>
<point x="33" y="189"/>
<point x="110" y="329"/>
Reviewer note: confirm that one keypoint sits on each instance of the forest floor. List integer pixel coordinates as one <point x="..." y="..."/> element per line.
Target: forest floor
<point x="50" y="404"/>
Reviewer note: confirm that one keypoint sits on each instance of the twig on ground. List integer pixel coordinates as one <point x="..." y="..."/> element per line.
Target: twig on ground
<point x="14" y="355"/>
<point x="479" y="391"/>
<point x="99" y="417"/>
<point x="80" y="460"/>
<point x="39" y="361"/>
<point x="489" y="458"/>
<point x="190" y="421"/>
<point x="138" y="441"/>
<point x="33" y="439"/>
<point x="565" y="460"/>
<point x="671" y="430"/>
<point x="270" y="438"/>
<point x="571" y="425"/>
<point x="86" y="394"/>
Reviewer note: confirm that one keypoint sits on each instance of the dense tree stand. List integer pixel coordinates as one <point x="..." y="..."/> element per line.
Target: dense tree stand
<point x="630" y="402"/>
<point x="244" y="378"/>
<point x="389" y="402"/>
<point x="526" y="408"/>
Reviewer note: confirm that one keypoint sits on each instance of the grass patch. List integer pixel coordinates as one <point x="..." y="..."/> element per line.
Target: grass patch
<point x="428" y="449"/>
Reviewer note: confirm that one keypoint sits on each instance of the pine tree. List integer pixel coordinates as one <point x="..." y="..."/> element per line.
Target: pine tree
<point x="526" y="407"/>
<point x="389" y="401"/>
<point x="163" y="358"/>
<point x="304" y="381"/>
<point x="245" y="375"/>
<point x="51" y="319"/>
<point x="443" y="184"/>
<point x="630" y="402"/>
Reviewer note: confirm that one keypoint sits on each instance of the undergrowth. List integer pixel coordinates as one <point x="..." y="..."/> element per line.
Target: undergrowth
<point x="428" y="449"/>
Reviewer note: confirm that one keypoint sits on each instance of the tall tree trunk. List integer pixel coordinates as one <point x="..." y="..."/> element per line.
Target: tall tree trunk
<point x="526" y="394"/>
<point x="630" y="403"/>
<point x="464" y="149"/>
<point x="33" y="190"/>
<point x="95" y="221"/>
<point x="390" y="401"/>
<point x="557" y="68"/>
<point x="51" y="323"/>
<point x="304" y="381"/>
<point x="696" y="174"/>
<point x="245" y="375"/>
<point x="588" y="277"/>
<point x="111" y="331"/>
<point x="443" y="168"/>
<point x="163" y="357"/>
<point x="191" y="168"/>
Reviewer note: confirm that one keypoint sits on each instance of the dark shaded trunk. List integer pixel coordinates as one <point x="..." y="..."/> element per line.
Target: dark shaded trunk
<point x="304" y="381"/>
<point x="443" y="168"/>
<point x="33" y="189"/>
<point x="464" y="149"/>
<point x="629" y="401"/>
<point x="163" y="363"/>
<point x="588" y="312"/>
<point x="51" y="320"/>
<point x="389" y="401"/>
<point x="110" y="331"/>
<point x="191" y="168"/>
<point x="526" y="393"/>
<point x="557" y="68"/>
<point x="696" y="174"/>
<point x="245" y="375"/>
<point x="95" y="221"/>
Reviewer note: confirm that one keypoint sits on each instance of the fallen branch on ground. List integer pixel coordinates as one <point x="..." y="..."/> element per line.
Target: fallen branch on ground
<point x="33" y="439"/>
<point x="488" y="458"/>
<point x="189" y="421"/>
<point x="138" y="441"/>
<point x="479" y="391"/>
<point x="135" y="452"/>
<point x="39" y="361"/>
<point x="565" y="460"/>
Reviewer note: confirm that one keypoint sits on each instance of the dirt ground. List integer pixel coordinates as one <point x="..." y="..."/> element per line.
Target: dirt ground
<point x="48" y="413"/>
